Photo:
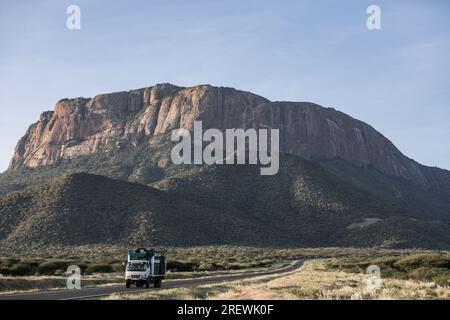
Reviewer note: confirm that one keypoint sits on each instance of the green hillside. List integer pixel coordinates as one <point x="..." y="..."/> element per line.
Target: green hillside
<point x="307" y="204"/>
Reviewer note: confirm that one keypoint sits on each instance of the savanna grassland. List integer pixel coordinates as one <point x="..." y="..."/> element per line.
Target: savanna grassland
<point x="329" y="273"/>
<point x="410" y="276"/>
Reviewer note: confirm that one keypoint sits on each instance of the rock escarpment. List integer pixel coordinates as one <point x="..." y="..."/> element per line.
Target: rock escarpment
<point x="79" y="127"/>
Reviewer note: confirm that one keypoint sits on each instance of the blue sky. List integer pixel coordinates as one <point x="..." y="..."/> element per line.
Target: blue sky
<point x="397" y="79"/>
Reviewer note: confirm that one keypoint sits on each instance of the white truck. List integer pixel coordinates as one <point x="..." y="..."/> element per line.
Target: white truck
<point x="145" y="267"/>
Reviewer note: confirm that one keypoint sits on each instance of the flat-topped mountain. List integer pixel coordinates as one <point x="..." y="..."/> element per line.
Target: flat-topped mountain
<point x="80" y="127"/>
<point x="340" y="183"/>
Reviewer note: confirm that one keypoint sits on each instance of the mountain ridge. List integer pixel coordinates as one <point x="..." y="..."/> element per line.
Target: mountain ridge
<point x="340" y="183"/>
<point x="83" y="126"/>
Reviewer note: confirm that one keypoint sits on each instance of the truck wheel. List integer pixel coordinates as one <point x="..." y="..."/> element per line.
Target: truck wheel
<point x="128" y="283"/>
<point x="147" y="284"/>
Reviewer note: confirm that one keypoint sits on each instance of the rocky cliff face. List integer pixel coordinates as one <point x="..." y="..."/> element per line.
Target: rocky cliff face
<point x="82" y="126"/>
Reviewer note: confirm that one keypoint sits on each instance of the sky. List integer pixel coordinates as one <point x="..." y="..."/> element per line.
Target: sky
<point x="397" y="79"/>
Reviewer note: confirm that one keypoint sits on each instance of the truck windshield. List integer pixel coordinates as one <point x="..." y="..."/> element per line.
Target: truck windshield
<point x="137" y="266"/>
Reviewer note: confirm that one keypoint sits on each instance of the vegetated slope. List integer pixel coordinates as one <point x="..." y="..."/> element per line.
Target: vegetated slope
<point x="306" y="204"/>
<point x="82" y="209"/>
<point x="322" y="204"/>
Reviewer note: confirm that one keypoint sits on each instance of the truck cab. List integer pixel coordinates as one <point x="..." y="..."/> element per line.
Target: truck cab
<point x="145" y="267"/>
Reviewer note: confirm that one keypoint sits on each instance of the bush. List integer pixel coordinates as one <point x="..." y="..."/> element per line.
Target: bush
<point x="49" y="267"/>
<point x="440" y="276"/>
<point x="8" y="262"/>
<point x="423" y="267"/>
<point x="21" y="269"/>
<point x="180" y="266"/>
<point x="59" y="272"/>
<point x="442" y="279"/>
<point x="4" y="271"/>
<point x="99" y="268"/>
<point x="423" y="260"/>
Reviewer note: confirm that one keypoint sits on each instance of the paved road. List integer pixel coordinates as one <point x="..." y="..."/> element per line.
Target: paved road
<point x="99" y="292"/>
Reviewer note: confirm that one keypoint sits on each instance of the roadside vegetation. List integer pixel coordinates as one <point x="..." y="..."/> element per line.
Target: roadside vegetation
<point x="316" y="280"/>
<point x="102" y="265"/>
<point x="109" y="259"/>
<point x="430" y="267"/>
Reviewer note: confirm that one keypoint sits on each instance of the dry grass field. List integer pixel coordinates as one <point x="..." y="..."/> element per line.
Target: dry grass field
<point x="316" y="280"/>
<point x="329" y="273"/>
